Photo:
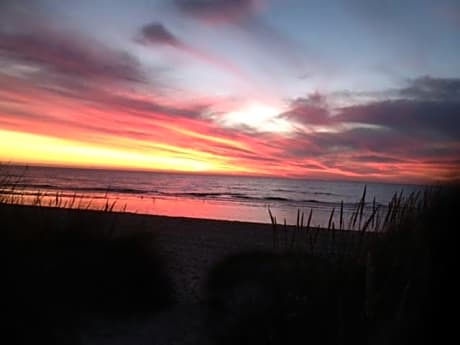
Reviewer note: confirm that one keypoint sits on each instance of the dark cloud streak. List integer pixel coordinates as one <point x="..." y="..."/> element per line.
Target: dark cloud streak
<point x="156" y="33"/>
<point x="434" y="89"/>
<point x="217" y="10"/>
<point x="70" y="55"/>
<point x="312" y="110"/>
<point x="424" y="119"/>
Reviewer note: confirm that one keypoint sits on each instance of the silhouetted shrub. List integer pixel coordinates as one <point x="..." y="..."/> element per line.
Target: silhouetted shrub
<point x="267" y="298"/>
<point x="58" y="273"/>
<point x="414" y="264"/>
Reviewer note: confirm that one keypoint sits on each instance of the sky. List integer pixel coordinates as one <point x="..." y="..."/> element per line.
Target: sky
<point x="348" y="90"/>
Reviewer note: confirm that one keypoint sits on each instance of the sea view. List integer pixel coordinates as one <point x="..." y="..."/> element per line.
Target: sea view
<point x="201" y="196"/>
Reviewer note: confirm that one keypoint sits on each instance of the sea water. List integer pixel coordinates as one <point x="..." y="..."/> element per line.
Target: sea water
<point x="235" y="198"/>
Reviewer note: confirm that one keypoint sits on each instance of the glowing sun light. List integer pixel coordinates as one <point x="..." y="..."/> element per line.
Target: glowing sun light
<point x="260" y="117"/>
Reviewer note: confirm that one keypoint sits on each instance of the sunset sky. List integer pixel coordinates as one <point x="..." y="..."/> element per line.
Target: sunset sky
<point x="352" y="89"/>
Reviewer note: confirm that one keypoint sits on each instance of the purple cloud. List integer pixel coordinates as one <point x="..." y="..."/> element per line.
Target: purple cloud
<point x="312" y="110"/>
<point x="156" y="33"/>
<point x="69" y="55"/>
<point x="434" y="120"/>
<point x="217" y="10"/>
<point x="433" y="89"/>
<point x="427" y="108"/>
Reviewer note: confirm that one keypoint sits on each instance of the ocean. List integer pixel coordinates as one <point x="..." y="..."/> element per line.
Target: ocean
<point x="200" y="196"/>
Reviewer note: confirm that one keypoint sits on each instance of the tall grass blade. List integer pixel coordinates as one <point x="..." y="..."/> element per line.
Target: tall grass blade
<point x="362" y="204"/>
<point x="330" y="219"/>
<point x="341" y="215"/>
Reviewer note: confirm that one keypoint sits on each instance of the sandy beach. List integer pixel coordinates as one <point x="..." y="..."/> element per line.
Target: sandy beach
<point x="192" y="246"/>
<point x="189" y="248"/>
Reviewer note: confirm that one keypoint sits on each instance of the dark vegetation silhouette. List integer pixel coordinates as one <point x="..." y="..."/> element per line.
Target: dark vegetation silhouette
<point x="59" y="270"/>
<point x="384" y="291"/>
<point x="269" y="298"/>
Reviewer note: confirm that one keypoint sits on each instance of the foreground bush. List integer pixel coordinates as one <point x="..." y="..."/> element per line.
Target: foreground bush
<point x="268" y="298"/>
<point x="59" y="268"/>
<point x="411" y="269"/>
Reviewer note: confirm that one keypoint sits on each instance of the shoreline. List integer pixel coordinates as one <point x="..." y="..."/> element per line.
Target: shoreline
<point x="234" y="199"/>
<point x="184" y="207"/>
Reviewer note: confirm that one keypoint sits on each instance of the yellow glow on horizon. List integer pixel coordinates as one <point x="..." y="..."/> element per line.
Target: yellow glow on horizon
<point x="17" y="147"/>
